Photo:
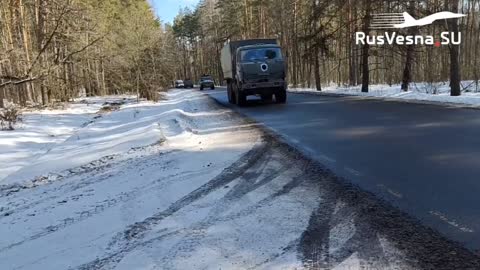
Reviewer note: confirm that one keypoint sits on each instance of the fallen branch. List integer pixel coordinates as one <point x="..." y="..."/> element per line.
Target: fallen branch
<point x="82" y="49"/>
<point x="17" y="81"/>
<point x="49" y="40"/>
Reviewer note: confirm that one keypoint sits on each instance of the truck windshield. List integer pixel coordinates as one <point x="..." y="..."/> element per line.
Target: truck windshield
<point x="260" y="54"/>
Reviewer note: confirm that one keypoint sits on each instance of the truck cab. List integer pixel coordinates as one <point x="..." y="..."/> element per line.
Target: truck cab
<point x="254" y="67"/>
<point x="260" y="69"/>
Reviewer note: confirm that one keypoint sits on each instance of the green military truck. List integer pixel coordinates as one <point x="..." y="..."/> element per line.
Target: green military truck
<point x="254" y="67"/>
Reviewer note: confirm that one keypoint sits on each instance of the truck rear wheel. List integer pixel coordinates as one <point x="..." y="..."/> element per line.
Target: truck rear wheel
<point x="281" y="96"/>
<point x="230" y="94"/>
<point x="241" y="98"/>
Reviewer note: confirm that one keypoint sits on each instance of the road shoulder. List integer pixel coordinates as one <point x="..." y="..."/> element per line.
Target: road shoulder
<point x="387" y="99"/>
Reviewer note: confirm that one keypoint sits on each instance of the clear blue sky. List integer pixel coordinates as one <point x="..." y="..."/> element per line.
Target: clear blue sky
<point x="168" y="9"/>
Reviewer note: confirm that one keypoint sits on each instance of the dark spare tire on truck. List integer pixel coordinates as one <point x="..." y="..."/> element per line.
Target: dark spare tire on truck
<point x="254" y="67"/>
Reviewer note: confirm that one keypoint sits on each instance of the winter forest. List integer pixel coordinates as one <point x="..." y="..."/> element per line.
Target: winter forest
<point x="54" y="50"/>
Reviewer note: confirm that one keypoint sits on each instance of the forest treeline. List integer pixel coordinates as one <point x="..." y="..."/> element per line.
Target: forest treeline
<point x="53" y="50"/>
<point x="317" y="37"/>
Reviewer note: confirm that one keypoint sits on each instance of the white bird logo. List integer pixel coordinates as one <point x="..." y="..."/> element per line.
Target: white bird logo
<point x="404" y="20"/>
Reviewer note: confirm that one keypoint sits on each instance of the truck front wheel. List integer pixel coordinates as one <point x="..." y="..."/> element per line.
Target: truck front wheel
<point x="281" y="96"/>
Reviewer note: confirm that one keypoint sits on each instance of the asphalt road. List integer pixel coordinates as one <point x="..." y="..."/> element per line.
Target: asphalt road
<point x="424" y="159"/>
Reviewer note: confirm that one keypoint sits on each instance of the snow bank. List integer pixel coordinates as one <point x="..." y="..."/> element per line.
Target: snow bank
<point x="50" y="142"/>
<point x="428" y="92"/>
<point x="42" y="131"/>
<point x="76" y="219"/>
<point x="184" y="184"/>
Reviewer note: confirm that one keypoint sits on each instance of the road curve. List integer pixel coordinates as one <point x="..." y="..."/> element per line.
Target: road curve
<point x="424" y="159"/>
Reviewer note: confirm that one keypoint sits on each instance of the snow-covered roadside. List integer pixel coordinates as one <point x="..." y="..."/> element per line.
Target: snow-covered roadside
<point x="187" y="184"/>
<point x="180" y="184"/>
<point x="118" y="170"/>
<point x="419" y="92"/>
<point x="42" y="131"/>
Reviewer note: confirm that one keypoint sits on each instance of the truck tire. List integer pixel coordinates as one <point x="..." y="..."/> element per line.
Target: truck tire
<point x="212" y="88"/>
<point x="201" y="88"/>
<point x="231" y="96"/>
<point x="241" y="98"/>
<point x="281" y="96"/>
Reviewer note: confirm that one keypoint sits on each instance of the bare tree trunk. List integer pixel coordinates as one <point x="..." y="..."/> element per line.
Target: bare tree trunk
<point x="407" y="71"/>
<point x="454" y="54"/>
<point x="318" y="83"/>
<point x="365" y="49"/>
<point x="352" y="68"/>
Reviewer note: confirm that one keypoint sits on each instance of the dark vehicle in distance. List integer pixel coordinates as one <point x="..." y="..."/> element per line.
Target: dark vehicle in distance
<point x="187" y="83"/>
<point x="254" y="67"/>
<point x="206" y="81"/>
<point x="179" y="84"/>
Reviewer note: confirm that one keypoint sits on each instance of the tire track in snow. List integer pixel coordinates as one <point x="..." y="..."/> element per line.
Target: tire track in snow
<point x="103" y="206"/>
<point x="116" y="257"/>
<point x="255" y="177"/>
<point x="334" y="235"/>
<point x="132" y="237"/>
<point x="87" y="175"/>
<point x="289" y="248"/>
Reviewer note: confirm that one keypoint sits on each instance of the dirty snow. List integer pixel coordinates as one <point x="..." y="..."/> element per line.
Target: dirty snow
<point x="179" y="184"/>
<point x="426" y="92"/>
